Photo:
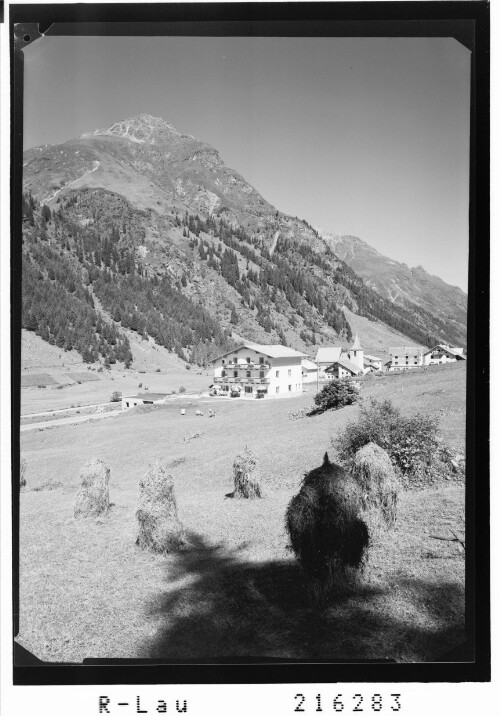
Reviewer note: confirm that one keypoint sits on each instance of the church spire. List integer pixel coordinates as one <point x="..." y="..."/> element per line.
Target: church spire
<point x="356" y="346"/>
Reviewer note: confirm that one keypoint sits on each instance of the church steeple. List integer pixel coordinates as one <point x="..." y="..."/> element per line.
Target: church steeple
<point x="356" y="346"/>
<point x="355" y="353"/>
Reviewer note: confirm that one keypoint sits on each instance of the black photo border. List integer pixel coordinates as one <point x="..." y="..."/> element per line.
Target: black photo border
<point x="469" y="23"/>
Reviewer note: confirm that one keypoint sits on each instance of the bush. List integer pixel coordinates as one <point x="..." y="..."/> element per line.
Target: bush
<point x="116" y="397"/>
<point x="182" y="389"/>
<point x="158" y="370"/>
<point x="411" y="442"/>
<point x="336" y="394"/>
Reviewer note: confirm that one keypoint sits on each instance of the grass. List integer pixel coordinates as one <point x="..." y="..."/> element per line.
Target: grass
<point x="33" y="380"/>
<point x="83" y="377"/>
<point x="235" y="590"/>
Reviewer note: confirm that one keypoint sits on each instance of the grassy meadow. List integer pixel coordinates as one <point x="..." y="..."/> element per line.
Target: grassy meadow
<point x="86" y="589"/>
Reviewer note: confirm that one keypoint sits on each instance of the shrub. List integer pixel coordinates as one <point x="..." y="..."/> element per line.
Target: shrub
<point x="336" y="394"/>
<point x="326" y="532"/>
<point x="116" y="397"/>
<point x="411" y="442"/>
<point x="373" y="470"/>
<point x="245" y="484"/>
<point x="92" y="499"/>
<point x="140" y="385"/>
<point x="158" y="370"/>
<point x="160" y="529"/>
<point x="182" y="389"/>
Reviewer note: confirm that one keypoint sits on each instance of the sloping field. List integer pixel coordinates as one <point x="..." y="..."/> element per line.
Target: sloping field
<point x="83" y="377"/>
<point x="31" y="380"/>
<point x="86" y="590"/>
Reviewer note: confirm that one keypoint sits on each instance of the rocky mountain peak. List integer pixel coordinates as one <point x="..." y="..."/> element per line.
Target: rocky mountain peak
<point x="143" y="128"/>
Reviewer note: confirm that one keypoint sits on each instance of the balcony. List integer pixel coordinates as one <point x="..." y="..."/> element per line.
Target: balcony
<point x="243" y="380"/>
<point x="243" y="365"/>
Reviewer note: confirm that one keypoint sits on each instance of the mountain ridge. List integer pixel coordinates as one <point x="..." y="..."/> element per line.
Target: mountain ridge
<point x="140" y="207"/>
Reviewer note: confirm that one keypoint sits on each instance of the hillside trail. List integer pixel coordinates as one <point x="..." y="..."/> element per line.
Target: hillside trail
<point x="96" y="163"/>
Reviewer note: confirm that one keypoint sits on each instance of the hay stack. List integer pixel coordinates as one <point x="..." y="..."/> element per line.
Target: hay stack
<point x="245" y="484"/>
<point x="326" y="532"/>
<point x="92" y="499"/>
<point x="373" y="470"/>
<point x="22" y="473"/>
<point x="159" y="527"/>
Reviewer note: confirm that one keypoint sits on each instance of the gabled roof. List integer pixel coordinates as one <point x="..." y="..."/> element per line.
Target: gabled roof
<point x="328" y="354"/>
<point x="275" y="351"/>
<point x="407" y="350"/>
<point x="458" y="353"/>
<point x="347" y="364"/>
<point x="272" y="351"/>
<point x="309" y="364"/>
<point x="372" y="359"/>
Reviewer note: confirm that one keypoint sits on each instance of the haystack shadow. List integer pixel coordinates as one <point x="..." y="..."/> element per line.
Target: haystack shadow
<point x="216" y="605"/>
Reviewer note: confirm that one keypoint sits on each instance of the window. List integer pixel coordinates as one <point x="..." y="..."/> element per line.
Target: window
<point x="261" y="359"/>
<point x="248" y="389"/>
<point x="277" y="389"/>
<point x="235" y="373"/>
<point x="262" y="374"/>
<point x="248" y="359"/>
<point x="289" y="371"/>
<point x="223" y="374"/>
<point x="223" y="361"/>
<point x="277" y="374"/>
<point x="235" y="358"/>
<point x="128" y="405"/>
<point x="289" y="388"/>
<point x="249" y="373"/>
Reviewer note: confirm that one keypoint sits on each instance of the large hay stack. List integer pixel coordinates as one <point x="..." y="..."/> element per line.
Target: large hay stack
<point x="327" y="534"/>
<point x="374" y="472"/>
<point x="22" y="473"/>
<point x="245" y="482"/>
<point x="92" y="499"/>
<point x="160" y="529"/>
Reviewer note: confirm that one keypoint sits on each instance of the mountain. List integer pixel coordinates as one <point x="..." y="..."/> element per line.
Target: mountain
<point x="140" y="229"/>
<point x="401" y="284"/>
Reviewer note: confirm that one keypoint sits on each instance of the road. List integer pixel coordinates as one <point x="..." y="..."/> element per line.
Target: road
<point x="73" y="419"/>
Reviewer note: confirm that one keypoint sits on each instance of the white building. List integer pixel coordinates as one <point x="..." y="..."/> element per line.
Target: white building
<point x="404" y="357"/>
<point x="443" y="353"/>
<point x="325" y="357"/>
<point x="255" y="370"/>
<point x="372" y="363"/>
<point x="130" y="401"/>
<point x="309" y="371"/>
<point x="343" y="368"/>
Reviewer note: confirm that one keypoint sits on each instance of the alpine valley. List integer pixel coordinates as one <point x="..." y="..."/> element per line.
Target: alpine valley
<point x="140" y="230"/>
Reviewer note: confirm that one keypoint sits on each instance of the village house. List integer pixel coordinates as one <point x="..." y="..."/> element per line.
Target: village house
<point x="371" y="363"/>
<point x="443" y="353"/>
<point x="405" y="357"/>
<point x="259" y="371"/>
<point x="325" y="357"/>
<point x="349" y="364"/>
<point x="130" y="401"/>
<point x="309" y="371"/>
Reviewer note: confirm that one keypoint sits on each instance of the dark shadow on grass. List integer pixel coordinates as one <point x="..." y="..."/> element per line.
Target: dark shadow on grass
<point x="216" y="605"/>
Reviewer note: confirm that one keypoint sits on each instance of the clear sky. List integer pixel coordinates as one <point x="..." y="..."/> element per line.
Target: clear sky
<point x="362" y="136"/>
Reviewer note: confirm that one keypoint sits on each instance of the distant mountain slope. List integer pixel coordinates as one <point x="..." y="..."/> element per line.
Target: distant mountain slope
<point x="149" y="224"/>
<point x="401" y="284"/>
